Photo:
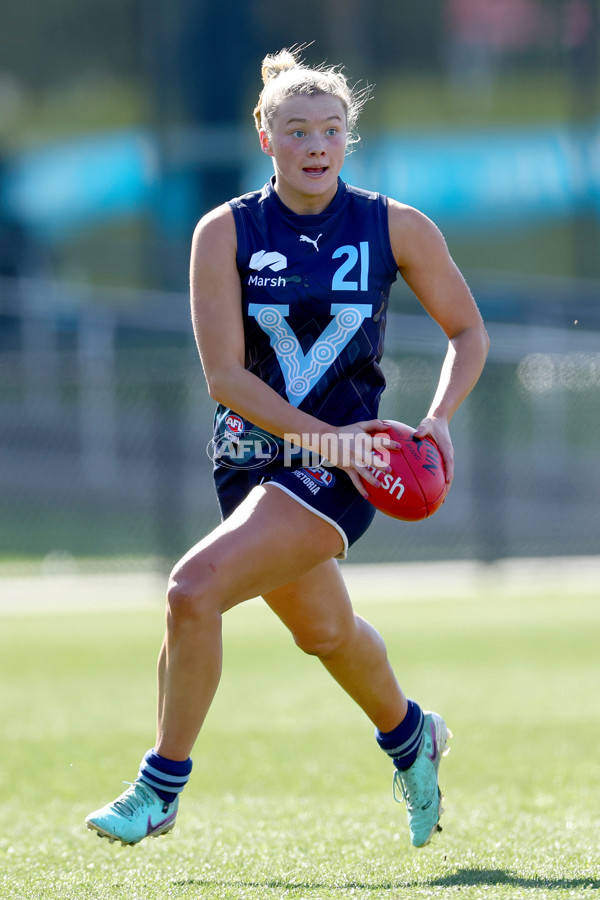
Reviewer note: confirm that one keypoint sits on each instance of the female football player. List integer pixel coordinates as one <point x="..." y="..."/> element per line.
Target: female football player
<point x="289" y="289"/>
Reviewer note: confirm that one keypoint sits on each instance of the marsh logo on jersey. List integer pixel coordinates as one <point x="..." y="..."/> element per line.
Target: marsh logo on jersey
<point x="267" y="259"/>
<point x="270" y="259"/>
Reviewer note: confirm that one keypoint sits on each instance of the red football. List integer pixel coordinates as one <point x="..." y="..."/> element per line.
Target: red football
<point x="416" y="487"/>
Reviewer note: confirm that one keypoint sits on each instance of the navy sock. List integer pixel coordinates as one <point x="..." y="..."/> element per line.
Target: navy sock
<point x="404" y="742"/>
<point x="167" y="777"/>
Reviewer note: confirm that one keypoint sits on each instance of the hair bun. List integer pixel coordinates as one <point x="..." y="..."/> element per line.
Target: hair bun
<point x="300" y="79"/>
<point x="273" y="65"/>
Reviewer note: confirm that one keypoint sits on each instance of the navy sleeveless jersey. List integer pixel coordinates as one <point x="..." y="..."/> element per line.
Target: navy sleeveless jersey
<point x="315" y="292"/>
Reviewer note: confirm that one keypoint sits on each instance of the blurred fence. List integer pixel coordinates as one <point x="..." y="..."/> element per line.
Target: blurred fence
<point x="105" y="422"/>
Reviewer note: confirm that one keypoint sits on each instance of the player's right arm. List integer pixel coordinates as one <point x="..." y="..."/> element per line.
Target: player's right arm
<point x="216" y="300"/>
<point x="216" y="305"/>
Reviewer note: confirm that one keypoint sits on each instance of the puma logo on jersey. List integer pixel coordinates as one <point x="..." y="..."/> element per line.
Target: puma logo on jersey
<point x="308" y="240"/>
<point x="271" y="259"/>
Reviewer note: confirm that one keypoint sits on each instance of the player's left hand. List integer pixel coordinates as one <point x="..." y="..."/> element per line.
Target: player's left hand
<point x="361" y="445"/>
<point x="438" y="429"/>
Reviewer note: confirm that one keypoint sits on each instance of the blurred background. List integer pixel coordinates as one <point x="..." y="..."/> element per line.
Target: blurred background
<point x="121" y="123"/>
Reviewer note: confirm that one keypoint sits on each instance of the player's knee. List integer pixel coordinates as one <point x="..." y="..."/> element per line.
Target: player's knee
<point x="188" y="598"/>
<point x="323" y="641"/>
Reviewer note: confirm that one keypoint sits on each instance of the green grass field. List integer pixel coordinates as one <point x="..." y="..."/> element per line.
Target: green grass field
<point x="290" y="796"/>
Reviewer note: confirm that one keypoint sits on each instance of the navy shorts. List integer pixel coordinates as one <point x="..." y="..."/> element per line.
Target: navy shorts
<point x="327" y="492"/>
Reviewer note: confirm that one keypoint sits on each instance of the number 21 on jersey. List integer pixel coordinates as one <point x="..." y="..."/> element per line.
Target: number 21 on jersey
<point x="355" y="265"/>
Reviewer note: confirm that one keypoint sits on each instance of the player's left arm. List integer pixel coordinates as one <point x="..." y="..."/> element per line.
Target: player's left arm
<point x="427" y="267"/>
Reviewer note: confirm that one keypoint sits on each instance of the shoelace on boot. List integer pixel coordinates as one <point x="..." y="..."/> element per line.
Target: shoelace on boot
<point x="129" y="802"/>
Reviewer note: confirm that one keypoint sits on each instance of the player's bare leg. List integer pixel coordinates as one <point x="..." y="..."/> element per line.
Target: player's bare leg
<point x="317" y="610"/>
<point x="269" y="540"/>
<point x="271" y="546"/>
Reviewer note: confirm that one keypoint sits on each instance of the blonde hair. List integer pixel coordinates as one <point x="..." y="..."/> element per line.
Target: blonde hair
<point x="285" y="74"/>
